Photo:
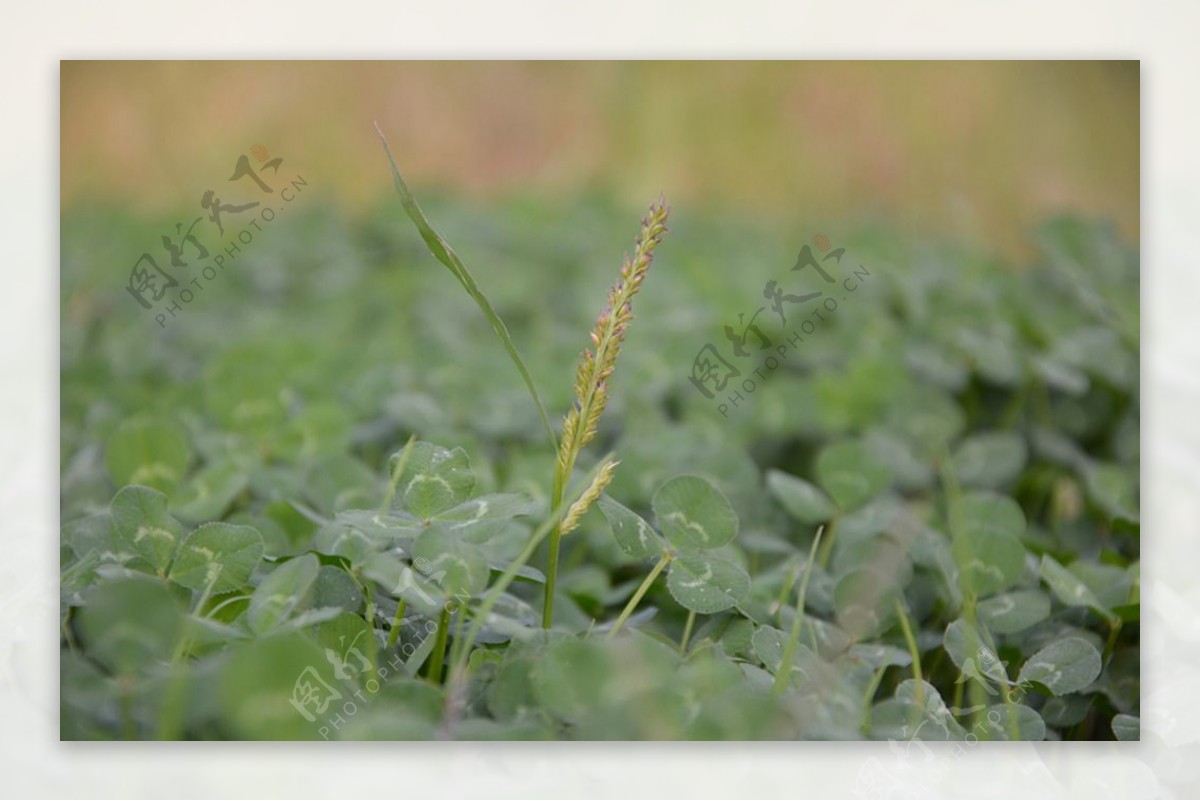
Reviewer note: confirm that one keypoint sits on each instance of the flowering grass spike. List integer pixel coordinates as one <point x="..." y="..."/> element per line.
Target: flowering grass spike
<point x="596" y="365"/>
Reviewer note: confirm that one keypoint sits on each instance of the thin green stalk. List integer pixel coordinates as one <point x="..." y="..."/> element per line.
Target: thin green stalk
<point x="785" y="590"/>
<point x="783" y="674"/>
<point x="827" y="548"/>
<point x="1010" y="706"/>
<point x="570" y="521"/>
<point x="556" y="496"/>
<point x="397" y="619"/>
<point x="439" y="647"/>
<point x="687" y="632"/>
<point x="173" y="705"/>
<point x="913" y="650"/>
<point x="369" y="595"/>
<point x="872" y="688"/>
<point x="637" y="596"/>
<point x="231" y="600"/>
<point x="1114" y="632"/>
<point x="442" y="251"/>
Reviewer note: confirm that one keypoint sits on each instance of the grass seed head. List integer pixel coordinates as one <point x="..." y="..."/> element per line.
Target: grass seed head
<point x="596" y="364"/>
<point x="599" y="483"/>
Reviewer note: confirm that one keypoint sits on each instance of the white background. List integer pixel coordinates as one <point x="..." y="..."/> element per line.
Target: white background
<point x="33" y="37"/>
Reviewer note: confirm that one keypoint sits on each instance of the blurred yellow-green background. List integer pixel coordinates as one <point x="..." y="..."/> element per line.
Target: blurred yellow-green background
<point x="973" y="150"/>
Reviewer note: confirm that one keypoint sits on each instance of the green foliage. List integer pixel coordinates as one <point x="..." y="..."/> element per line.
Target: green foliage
<point x="243" y="527"/>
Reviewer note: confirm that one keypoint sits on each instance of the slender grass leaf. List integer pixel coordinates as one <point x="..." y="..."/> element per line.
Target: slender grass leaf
<point x="442" y="251"/>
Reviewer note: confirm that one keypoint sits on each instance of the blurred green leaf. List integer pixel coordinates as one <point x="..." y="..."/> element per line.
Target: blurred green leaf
<point x="142" y="526"/>
<point x="803" y="501"/>
<point x="281" y="593"/>
<point x="130" y="624"/>
<point x="633" y="534"/>
<point x="707" y="583"/>
<point x="692" y="513"/>
<point x="1064" y="667"/>
<point x="149" y="451"/>
<point x="851" y="474"/>
<point x="218" y="557"/>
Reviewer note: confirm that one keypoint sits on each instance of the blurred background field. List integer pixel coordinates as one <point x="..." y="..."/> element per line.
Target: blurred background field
<point x="993" y="207"/>
<point x="972" y="150"/>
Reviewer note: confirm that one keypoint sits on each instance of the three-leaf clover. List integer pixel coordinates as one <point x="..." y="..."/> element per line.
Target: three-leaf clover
<point x="695" y="520"/>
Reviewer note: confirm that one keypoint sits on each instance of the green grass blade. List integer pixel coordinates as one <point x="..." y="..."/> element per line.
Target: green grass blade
<point x="442" y="251"/>
<point x="784" y="674"/>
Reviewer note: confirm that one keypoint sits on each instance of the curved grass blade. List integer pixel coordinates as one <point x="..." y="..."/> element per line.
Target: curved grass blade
<point x="442" y="251"/>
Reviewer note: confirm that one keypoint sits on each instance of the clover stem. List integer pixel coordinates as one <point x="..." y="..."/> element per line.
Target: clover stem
<point x="439" y="647"/>
<point x="1010" y="707"/>
<point x="687" y="632"/>
<point x="1114" y="631"/>
<point x="868" y="697"/>
<point x="789" y="648"/>
<point x="827" y="548"/>
<point x="913" y="650"/>
<point x="637" y="596"/>
<point x="785" y="590"/>
<point x="174" y="697"/>
<point x="394" y="634"/>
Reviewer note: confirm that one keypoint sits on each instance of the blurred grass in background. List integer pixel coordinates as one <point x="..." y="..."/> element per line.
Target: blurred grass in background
<point x="974" y="151"/>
